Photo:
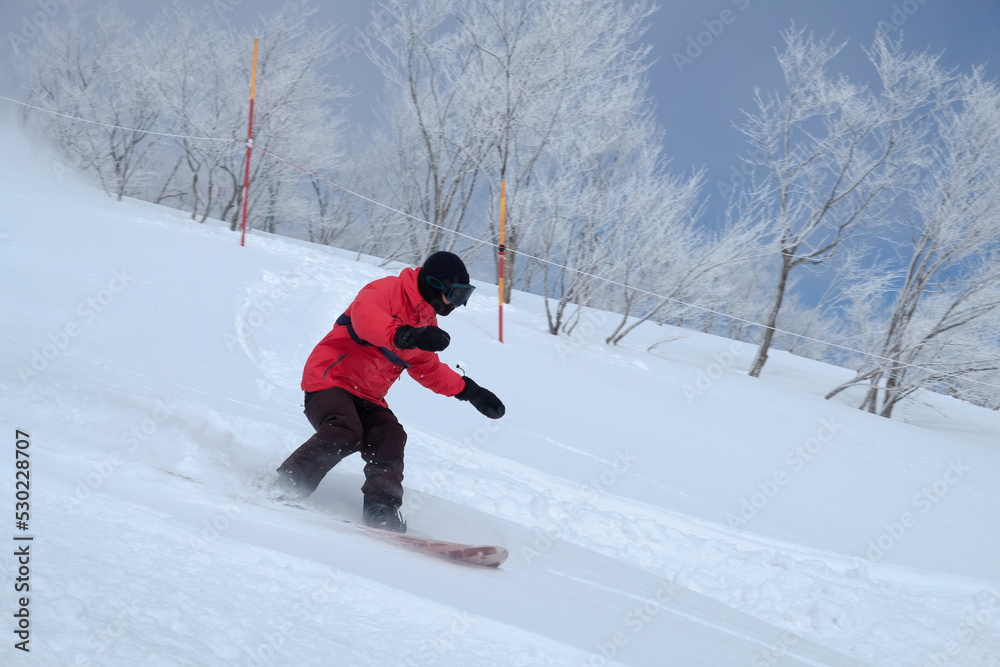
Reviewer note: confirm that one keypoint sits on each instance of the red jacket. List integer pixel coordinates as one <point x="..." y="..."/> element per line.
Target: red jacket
<point x="379" y="309"/>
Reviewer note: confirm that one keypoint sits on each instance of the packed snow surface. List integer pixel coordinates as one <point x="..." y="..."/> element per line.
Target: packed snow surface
<point x="660" y="506"/>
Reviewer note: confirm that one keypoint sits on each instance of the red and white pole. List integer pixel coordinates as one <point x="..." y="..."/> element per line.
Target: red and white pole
<point x="246" y="177"/>
<point x="502" y="249"/>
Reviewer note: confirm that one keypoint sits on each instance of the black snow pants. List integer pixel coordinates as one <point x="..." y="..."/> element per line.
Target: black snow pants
<point x="346" y="424"/>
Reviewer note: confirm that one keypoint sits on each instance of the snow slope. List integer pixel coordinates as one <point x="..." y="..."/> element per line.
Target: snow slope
<point x="661" y="508"/>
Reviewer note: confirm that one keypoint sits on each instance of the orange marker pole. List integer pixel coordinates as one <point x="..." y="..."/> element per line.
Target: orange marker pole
<point x="503" y="207"/>
<point x="246" y="177"/>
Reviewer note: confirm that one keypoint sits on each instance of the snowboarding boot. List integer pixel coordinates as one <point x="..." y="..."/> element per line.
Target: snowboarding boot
<point x="382" y="515"/>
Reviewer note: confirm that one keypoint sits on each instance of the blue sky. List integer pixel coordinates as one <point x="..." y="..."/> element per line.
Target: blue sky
<point x="710" y="54"/>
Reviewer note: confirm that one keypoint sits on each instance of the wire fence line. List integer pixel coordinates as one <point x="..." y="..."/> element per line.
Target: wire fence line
<point x="117" y="127"/>
<point x="897" y="363"/>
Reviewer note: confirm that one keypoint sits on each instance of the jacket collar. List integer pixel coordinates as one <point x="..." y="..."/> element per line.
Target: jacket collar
<point x="411" y="291"/>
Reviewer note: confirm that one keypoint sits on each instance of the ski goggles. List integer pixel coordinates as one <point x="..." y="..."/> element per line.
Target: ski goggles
<point x="456" y="293"/>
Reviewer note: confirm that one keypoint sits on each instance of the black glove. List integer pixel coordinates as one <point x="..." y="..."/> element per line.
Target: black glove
<point x="483" y="400"/>
<point x="431" y="339"/>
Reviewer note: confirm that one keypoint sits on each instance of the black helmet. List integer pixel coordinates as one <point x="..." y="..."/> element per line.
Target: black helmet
<point x="444" y="275"/>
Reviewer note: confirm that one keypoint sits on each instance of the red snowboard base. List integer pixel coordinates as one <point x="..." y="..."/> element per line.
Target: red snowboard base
<point x="488" y="556"/>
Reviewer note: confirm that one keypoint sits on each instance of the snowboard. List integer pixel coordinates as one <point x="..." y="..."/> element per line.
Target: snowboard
<point x="476" y="554"/>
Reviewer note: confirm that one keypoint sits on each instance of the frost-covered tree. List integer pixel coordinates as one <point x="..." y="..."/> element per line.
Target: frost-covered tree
<point x="198" y="83"/>
<point x="937" y="328"/>
<point x="168" y="108"/>
<point x="565" y="89"/>
<point x="430" y="151"/>
<point x="688" y="271"/>
<point x="548" y="97"/>
<point x="603" y="208"/>
<point x="829" y="154"/>
<point x="204" y="80"/>
<point x="91" y="66"/>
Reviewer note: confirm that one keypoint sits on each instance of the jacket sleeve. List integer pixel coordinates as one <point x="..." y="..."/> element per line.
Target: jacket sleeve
<point x="427" y="369"/>
<point x="371" y="317"/>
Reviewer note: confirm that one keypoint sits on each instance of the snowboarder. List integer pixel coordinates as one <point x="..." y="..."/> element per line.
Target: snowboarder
<point x="390" y="326"/>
